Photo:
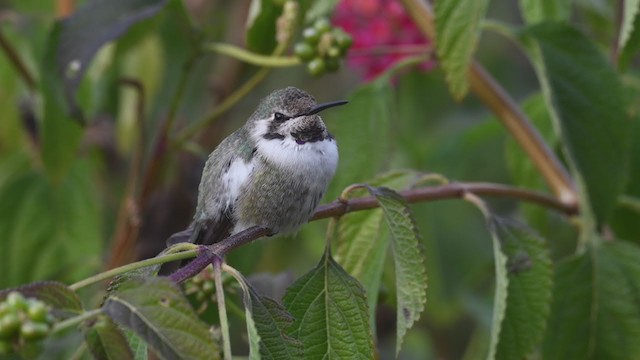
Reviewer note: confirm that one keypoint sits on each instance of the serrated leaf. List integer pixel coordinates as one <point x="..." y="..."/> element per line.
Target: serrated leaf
<point x="535" y="11"/>
<point x="137" y="345"/>
<point x="87" y="30"/>
<point x="261" y="26"/>
<point x="361" y="244"/>
<point x="595" y="312"/>
<point x="411" y="274"/>
<point x="106" y="341"/>
<point x="55" y="294"/>
<point x="331" y="315"/>
<point x="593" y="123"/>
<point x="157" y="311"/>
<point x="457" y="32"/>
<point x="523" y="290"/>
<point x="630" y="12"/>
<point x="369" y="116"/>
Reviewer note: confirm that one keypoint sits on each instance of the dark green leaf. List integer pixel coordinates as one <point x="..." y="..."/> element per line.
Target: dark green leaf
<point x="457" y="29"/>
<point x="157" y="311"/>
<point x="632" y="45"/>
<point x="106" y="341"/>
<point x="523" y="289"/>
<point x="261" y="26"/>
<point x="411" y="274"/>
<point x="87" y="30"/>
<point x="595" y="313"/>
<point x="594" y="124"/>
<point x="331" y="315"/>
<point x="535" y="11"/>
<point x="63" y="300"/>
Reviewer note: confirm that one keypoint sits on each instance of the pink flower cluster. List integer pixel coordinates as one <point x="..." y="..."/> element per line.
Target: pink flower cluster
<point x="382" y="32"/>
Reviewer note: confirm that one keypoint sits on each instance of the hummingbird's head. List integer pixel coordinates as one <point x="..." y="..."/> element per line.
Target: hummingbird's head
<point x="290" y="114"/>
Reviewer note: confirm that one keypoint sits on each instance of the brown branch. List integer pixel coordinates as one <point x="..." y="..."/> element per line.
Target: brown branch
<point x="206" y="254"/>
<point x="17" y="63"/>
<point x="516" y="122"/>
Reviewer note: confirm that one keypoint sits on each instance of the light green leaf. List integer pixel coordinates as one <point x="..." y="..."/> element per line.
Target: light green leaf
<point x="267" y="322"/>
<point x="320" y="8"/>
<point x="137" y="345"/>
<point x="367" y="118"/>
<point x="593" y="123"/>
<point x="630" y="12"/>
<point x="411" y="274"/>
<point x="361" y="243"/>
<point x="595" y="312"/>
<point x="535" y="11"/>
<point x="523" y="290"/>
<point x="331" y="315"/>
<point x="157" y="311"/>
<point x="106" y="341"/>
<point x="457" y="29"/>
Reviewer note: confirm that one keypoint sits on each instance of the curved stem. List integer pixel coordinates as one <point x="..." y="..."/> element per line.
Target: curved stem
<point x="222" y="309"/>
<point x="223" y="107"/>
<point x="251" y="57"/>
<point x="133" y="266"/>
<point x="73" y="321"/>
<point x="492" y="94"/>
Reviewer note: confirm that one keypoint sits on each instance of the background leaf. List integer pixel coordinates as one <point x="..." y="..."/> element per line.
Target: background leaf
<point x="331" y="315"/>
<point x="524" y="288"/>
<point x="595" y="313"/>
<point x="157" y="311"/>
<point x="261" y="26"/>
<point x="106" y="341"/>
<point x="592" y="122"/>
<point x="535" y="11"/>
<point x="630" y="12"/>
<point x="90" y="28"/>
<point x="457" y="29"/>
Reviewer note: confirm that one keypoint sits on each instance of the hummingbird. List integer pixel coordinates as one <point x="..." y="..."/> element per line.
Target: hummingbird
<point x="272" y="172"/>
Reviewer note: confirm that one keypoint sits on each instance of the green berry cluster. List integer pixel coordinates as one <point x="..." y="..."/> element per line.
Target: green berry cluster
<point x="22" y="321"/>
<point x="202" y="287"/>
<point x="323" y="47"/>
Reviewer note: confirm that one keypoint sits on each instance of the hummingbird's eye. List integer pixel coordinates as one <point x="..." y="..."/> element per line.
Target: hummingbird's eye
<point x="280" y="117"/>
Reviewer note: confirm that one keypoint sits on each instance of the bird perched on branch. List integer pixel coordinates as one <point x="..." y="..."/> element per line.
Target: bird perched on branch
<point x="272" y="172"/>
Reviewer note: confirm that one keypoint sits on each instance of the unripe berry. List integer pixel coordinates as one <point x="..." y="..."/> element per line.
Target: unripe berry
<point x="304" y="51"/>
<point x="316" y="67"/>
<point x="34" y="331"/>
<point x="38" y="311"/>
<point x="16" y="301"/>
<point x="322" y="25"/>
<point x="9" y="325"/>
<point x="311" y="36"/>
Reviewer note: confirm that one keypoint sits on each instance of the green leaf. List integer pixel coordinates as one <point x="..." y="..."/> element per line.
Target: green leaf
<point x="630" y="13"/>
<point x="137" y="345"/>
<point x="267" y="322"/>
<point x="50" y="230"/>
<point x="535" y="11"/>
<point x="157" y="311"/>
<point x="595" y="312"/>
<point x="593" y="123"/>
<point x="632" y="45"/>
<point x="60" y="136"/>
<point x="106" y="341"/>
<point x="361" y="244"/>
<point x="63" y="300"/>
<point x="457" y="29"/>
<point x="523" y="290"/>
<point x="411" y="274"/>
<point x="369" y="116"/>
<point x="331" y="315"/>
<point x="261" y="26"/>
<point x="320" y="8"/>
<point x="88" y="29"/>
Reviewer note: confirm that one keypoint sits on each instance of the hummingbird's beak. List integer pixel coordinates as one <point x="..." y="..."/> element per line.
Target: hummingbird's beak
<point x="316" y="109"/>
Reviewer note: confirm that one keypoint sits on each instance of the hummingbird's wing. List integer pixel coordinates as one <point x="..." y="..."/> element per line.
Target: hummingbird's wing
<point x="226" y="172"/>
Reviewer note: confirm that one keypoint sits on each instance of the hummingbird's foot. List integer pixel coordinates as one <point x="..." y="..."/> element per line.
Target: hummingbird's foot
<point x="217" y="251"/>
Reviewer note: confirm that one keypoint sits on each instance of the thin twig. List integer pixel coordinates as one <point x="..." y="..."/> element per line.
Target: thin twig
<point x="251" y="57"/>
<point x="16" y="61"/>
<point x="222" y="308"/>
